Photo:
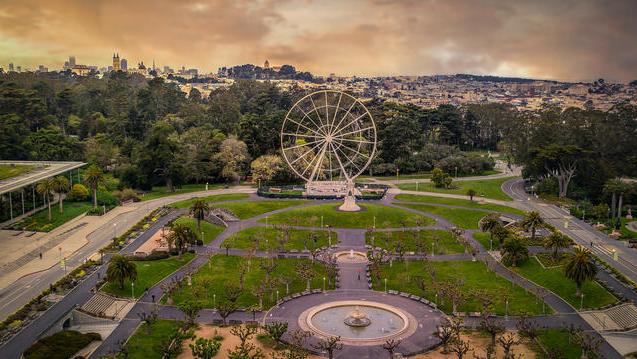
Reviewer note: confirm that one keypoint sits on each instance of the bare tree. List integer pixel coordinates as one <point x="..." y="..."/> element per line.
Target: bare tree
<point x="459" y="347"/>
<point x="329" y="345"/>
<point x="507" y="341"/>
<point x="491" y="325"/>
<point x="390" y="346"/>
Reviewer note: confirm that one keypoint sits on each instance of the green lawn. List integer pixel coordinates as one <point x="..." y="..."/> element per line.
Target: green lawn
<point x="385" y="217"/>
<point x="39" y="221"/>
<point x="475" y="275"/>
<point x="558" y="339"/>
<point x="149" y="273"/>
<point x="8" y="171"/>
<point x="423" y="175"/>
<point x="463" y="218"/>
<point x="250" y="209"/>
<point x="273" y="238"/>
<point x="210" y="231"/>
<point x="210" y="199"/>
<point x="595" y="295"/>
<point x="163" y="191"/>
<point x="144" y="345"/>
<point x="489" y="188"/>
<point x="459" y="202"/>
<point x="445" y="243"/>
<point x="224" y="269"/>
<point x="484" y="239"/>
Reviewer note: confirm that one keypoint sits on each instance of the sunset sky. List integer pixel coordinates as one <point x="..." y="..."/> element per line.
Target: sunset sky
<point x="556" y="39"/>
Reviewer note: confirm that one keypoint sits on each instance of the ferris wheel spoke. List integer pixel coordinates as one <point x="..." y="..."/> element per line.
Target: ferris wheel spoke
<point x="349" y="124"/>
<point x="312" y="161"/>
<point x="353" y="132"/>
<point x="306" y="153"/>
<point x="305" y="114"/>
<point x="303" y="144"/>
<point x="307" y="128"/>
<point x="319" y="161"/>
<point x="345" y="116"/>
<point x="340" y="163"/>
<point x="356" y="151"/>
<point x="301" y="135"/>
<point x="353" y="140"/>
<point x="338" y="106"/>
<point x="317" y="112"/>
<point x="327" y="112"/>
<point x="349" y="160"/>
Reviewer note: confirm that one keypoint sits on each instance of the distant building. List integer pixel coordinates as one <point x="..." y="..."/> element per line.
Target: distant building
<point x="11" y="67"/>
<point x="123" y="64"/>
<point x="116" y="64"/>
<point x="81" y="70"/>
<point x="41" y="68"/>
<point x="19" y="68"/>
<point x="68" y="65"/>
<point x="266" y="64"/>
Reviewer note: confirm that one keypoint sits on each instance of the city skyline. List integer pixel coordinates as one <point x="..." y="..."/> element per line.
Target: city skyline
<point x="569" y="41"/>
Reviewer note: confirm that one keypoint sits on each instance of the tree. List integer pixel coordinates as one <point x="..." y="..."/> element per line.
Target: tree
<point x="514" y="252"/>
<point x="492" y="325"/>
<point x="198" y="210"/>
<point x="580" y="267"/>
<point x="306" y="272"/>
<point x="531" y="222"/>
<point x="203" y="348"/>
<point x="557" y="240"/>
<point x="471" y="193"/>
<point x="267" y="168"/>
<point x="120" y="269"/>
<point x="447" y="331"/>
<point x="45" y="187"/>
<point x="61" y="186"/>
<point x="329" y="345"/>
<point x="276" y="330"/>
<point x="440" y="179"/>
<point x="390" y="346"/>
<point x="245" y="349"/>
<point x="459" y="347"/>
<point x="559" y="161"/>
<point x="225" y="308"/>
<point x="490" y="222"/>
<point x="148" y="319"/>
<point x="180" y="236"/>
<point x="93" y="177"/>
<point x="191" y="309"/>
<point x="507" y="341"/>
<point x="234" y="156"/>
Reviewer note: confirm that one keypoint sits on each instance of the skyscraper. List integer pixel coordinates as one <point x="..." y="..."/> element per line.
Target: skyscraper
<point x="72" y="61"/>
<point x="11" y="66"/>
<point x="123" y="64"/>
<point x="116" y="64"/>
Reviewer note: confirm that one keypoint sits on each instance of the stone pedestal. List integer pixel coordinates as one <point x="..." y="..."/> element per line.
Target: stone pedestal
<point x="350" y="204"/>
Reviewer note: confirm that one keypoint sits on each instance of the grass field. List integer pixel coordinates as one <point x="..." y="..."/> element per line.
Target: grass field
<point x="210" y="199"/>
<point x="250" y="209"/>
<point x="144" y="345"/>
<point x="488" y="188"/>
<point x="445" y="243"/>
<point x="210" y="231"/>
<point x="463" y="218"/>
<point x="163" y="191"/>
<point x="385" y="217"/>
<point x="149" y="273"/>
<point x="272" y="239"/>
<point x="8" y="171"/>
<point x="558" y="339"/>
<point x="474" y="276"/>
<point x="423" y="175"/>
<point x="484" y="239"/>
<point x="595" y="295"/>
<point x="458" y="202"/>
<point x="39" y="221"/>
<point x="210" y="280"/>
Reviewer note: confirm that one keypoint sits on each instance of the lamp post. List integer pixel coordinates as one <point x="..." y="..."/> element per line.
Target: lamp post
<point x="214" y="300"/>
<point x="385" y="285"/>
<point x="490" y="243"/>
<point x="456" y="172"/>
<point x="506" y="307"/>
<point x="114" y="229"/>
<point x="581" y="301"/>
<point x="277" y="295"/>
<point x="202" y="238"/>
<point x="329" y="235"/>
<point x="132" y="290"/>
<point x="324" y="284"/>
<point x="321" y="221"/>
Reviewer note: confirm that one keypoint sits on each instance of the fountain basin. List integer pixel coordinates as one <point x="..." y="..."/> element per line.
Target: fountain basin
<point x="351" y="256"/>
<point x="358" y="322"/>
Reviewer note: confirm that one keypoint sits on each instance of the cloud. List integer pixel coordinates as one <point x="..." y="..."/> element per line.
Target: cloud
<point x="568" y="40"/>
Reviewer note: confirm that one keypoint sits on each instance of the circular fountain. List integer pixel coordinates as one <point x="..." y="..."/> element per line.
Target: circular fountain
<point x="351" y="256"/>
<point x="358" y="322"/>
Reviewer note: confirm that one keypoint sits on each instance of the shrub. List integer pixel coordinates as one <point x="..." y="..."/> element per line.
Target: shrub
<point x="127" y="194"/>
<point x="60" y="345"/>
<point x="78" y="193"/>
<point x="153" y="256"/>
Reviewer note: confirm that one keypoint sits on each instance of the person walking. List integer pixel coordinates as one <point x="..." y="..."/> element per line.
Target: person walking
<point x="359" y="275"/>
<point x="40" y="255"/>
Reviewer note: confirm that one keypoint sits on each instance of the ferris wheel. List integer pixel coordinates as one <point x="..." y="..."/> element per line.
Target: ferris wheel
<point x="328" y="136"/>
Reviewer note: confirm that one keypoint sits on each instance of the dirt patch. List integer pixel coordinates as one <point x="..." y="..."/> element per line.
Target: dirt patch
<point x="478" y="343"/>
<point x="228" y="343"/>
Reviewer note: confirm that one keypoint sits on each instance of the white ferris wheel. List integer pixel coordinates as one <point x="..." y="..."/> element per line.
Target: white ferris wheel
<point x="328" y="136"/>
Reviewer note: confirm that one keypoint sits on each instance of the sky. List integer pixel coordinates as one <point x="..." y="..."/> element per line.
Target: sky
<point x="570" y="40"/>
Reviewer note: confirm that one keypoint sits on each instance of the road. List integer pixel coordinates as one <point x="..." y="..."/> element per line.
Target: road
<point x="612" y="251"/>
<point x="20" y="292"/>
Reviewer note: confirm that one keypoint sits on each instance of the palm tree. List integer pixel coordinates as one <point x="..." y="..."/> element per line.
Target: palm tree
<point x="580" y="267"/>
<point x="199" y="209"/>
<point x="490" y="222"/>
<point x="61" y="186"/>
<point x="93" y="176"/>
<point x="514" y="252"/>
<point x="45" y="187"/>
<point x="181" y="235"/>
<point x="556" y="241"/>
<point x="471" y="193"/>
<point x="532" y="221"/>
<point x="120" y="269"/>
